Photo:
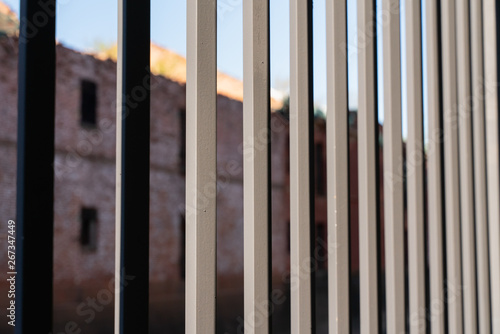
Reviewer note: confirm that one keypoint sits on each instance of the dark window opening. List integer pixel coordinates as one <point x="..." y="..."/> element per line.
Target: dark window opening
<point x="320" y="170"/>
<point x="88" y="233"/>
<point x="182" y="148"/>
<point x="182" y="257"/>
<point x="88" y="103"/>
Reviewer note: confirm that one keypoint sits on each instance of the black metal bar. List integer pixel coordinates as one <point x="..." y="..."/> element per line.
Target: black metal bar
<point x="441" y="134"/>
<point x="312" y="187"/>
<point x="133" y="134"/>
<point x="380" y="271"/>
<point x="35" y="174"/>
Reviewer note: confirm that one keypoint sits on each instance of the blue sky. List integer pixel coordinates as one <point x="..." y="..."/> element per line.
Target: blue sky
<point x="82" y="25"/>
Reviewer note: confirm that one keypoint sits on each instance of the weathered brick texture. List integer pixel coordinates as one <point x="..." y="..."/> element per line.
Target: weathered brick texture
<point x="85" y="177"/>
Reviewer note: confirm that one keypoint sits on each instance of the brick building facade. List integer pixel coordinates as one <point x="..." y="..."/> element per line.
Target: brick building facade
<point x="85" y="191"/>
<point x="84" y="204"/>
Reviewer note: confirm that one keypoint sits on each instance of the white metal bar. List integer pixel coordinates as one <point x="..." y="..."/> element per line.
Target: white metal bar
<point x="451" y="172"/>
<point x="367" y="147"/>
<point x="393" y="172"/>
<point x="337" y="124"/>
<point x="256" y="113"/>
<point x="300" y="155"/>
<point x="466" y="167"/>
<point x="435" y="191"/>
<point x="479" y="149"/>
<point x="492" y="152"/>
<point x="201" y="174"/>
<point x="415" y="168"/>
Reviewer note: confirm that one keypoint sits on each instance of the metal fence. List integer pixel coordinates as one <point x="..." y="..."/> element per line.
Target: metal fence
<point x="452" y="184"/>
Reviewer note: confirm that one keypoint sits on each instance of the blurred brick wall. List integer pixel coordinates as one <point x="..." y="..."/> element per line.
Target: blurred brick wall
<point x="85" y="177"/>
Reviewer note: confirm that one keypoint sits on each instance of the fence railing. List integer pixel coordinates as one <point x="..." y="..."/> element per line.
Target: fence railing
<point x="452" y="184"/>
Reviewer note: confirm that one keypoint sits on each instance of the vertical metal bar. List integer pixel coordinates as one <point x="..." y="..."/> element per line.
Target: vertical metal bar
<point x="435" y="191"/>
<point x="35" y="158"/>
<point x="393" y="173"/>
<point x="301" y="261"/>
<point x="367" y="148"/>
<point x="132" y="166"/>
<point x="490" y="30"/>
<point x="479" y="149"/>
<point x="337" y="127"/>
<point x="415" y="169"/>
<point x="201" y="162"/>
<point x="451" y="171"/>
<point x="466" y="167"/>
<point x="256" y="113"/>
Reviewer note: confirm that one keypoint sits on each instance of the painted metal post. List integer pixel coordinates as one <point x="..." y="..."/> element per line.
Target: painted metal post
<point x="367" y="148"/>
<point x="451" y="172"/>
<point x="337" y="132"/>
<point x="256" y="155"/>
<point x="201" y="163"/>
<point x="479" y="150"/>
<point x="393" y="172"/>
<point x="466" y="167"/>
<point x="301" y="125"/>
<point x="491" y="76"/>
